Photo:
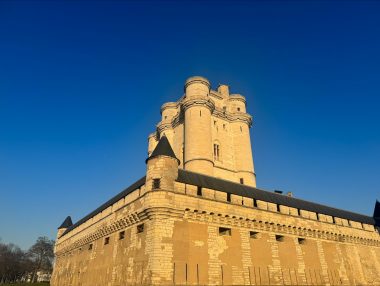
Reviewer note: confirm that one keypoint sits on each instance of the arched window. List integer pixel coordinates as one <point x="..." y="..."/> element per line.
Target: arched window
<point x="216" y="152"/>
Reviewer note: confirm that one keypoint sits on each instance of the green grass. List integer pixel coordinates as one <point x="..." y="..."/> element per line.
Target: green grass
<point x="27" y="284"/>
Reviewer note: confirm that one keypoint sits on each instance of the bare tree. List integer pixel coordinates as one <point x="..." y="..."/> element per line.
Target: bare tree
<point x="14" y="263"/>
<point x="42" y="255"/>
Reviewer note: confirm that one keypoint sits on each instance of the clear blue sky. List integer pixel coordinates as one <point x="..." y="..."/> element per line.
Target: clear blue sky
<point x="81" y="85"/>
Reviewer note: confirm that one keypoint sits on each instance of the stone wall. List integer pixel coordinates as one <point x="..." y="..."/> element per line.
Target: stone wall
<point x="198" y="240"/>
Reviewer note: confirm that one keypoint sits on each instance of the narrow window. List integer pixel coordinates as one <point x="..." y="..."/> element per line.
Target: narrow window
<point x="279" y="237"/>
<point x="253" y="234"/>
<point x="156" y="183"/>
<point x="278" y="208"/>
<point x="200" y="112"/>
<point x="241" y="129"/>
<point x="90" y="246"/>
<point x="255" y="203"/>
<point x="228" y="197"/>
<point x="224" y="231"/>
<point x="299" y="212"/>
<point x="242" y="181"/>
<point x="121" y="235"/>
<point x="199" y="191"/>
<point x="140" y="228"/>
<point x="238" y="109"/>
<point x="166" y="117"/>
<point x="301" y="240"/>
<point x="333" y="219"/>
<point x="216" y="152"/>
<point x="106" y="240"/>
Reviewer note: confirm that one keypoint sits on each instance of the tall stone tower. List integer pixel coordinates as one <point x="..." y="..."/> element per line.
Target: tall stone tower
<point x="196" y="218"/>
<point x="209" y="132"/>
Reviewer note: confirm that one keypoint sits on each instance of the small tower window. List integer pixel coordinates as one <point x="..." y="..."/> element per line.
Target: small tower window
<point x="106" y="240"/>
<point x="121" y="235"/>
<point x="156" y="184"/>
<point x="228" y="197"/>
<point x="242" y="181"/>
<point x="216" y="152"/>
<point x="255" y="203"/>
<point x="238" y="109"/>
<point x="90" y="246"/>
<point x="199" y="191"/>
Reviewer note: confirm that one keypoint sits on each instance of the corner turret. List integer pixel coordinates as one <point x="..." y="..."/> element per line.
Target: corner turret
<point x="65" y="225"/>
<point x="162" y="167"/>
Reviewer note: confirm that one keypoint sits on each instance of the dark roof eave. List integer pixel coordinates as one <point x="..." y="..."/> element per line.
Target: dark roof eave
<point x="205" y="181"/>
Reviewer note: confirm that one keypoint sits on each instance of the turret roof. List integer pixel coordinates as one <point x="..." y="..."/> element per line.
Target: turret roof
<point x="163" y="148"/>
<point x="66" y="223"/>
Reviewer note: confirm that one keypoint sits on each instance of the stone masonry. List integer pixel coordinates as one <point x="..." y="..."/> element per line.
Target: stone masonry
<point x="196" y="218"/>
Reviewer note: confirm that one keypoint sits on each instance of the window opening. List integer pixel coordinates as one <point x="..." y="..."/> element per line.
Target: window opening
<point x="255" y="203"/>
<point x="228" y="197"/>
<point x="238" y="109"/>
<point x="241" y="180"/>
<point x="140" y="228"/>
<point x="199" y="191"/>
<point x="216" y="152"/>
<point x="156" y="183"/>
<point x="301" y="240"/>
<point x="278" y="208"/>
<point x="106" y="240"/>
<point x="90" y="246"/>
<point x="279" y="237"/>
<point x="254" y="234"/>
<point x="121" y="235"/>
<point x="224" y="231"/>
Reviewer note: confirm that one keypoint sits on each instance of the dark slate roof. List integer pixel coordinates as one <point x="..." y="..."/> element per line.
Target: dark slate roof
<point x="250" y="192"/>
<point x="163" y="148"/>
<point x="66" y="223"/>
<point x="116" y="198"/>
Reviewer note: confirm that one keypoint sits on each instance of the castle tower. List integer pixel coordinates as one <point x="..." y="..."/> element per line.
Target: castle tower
<point x="162" y="167"/>
<point x="197" y="107"/>
<point x="242" y="140"/>
<point x="209" y="131"/>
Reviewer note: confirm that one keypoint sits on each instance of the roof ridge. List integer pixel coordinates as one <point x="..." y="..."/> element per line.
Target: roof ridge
<point x="271" y="197"/>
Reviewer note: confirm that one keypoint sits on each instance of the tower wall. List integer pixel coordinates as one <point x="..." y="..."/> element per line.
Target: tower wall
<point x="243" y="153"/>
<point x="197" y="108"/>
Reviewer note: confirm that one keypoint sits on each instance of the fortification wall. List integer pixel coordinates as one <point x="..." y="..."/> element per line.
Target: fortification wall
<point x="189" y="239"/>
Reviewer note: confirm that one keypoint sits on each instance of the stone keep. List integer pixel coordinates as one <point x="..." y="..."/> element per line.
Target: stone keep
<point x="197" y="218"/>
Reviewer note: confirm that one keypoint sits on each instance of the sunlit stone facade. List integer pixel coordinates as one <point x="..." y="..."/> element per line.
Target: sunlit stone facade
<point x="197" y="218"/>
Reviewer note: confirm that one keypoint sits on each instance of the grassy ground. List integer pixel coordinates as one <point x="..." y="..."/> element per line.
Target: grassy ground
<point x="27" y="284"/>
